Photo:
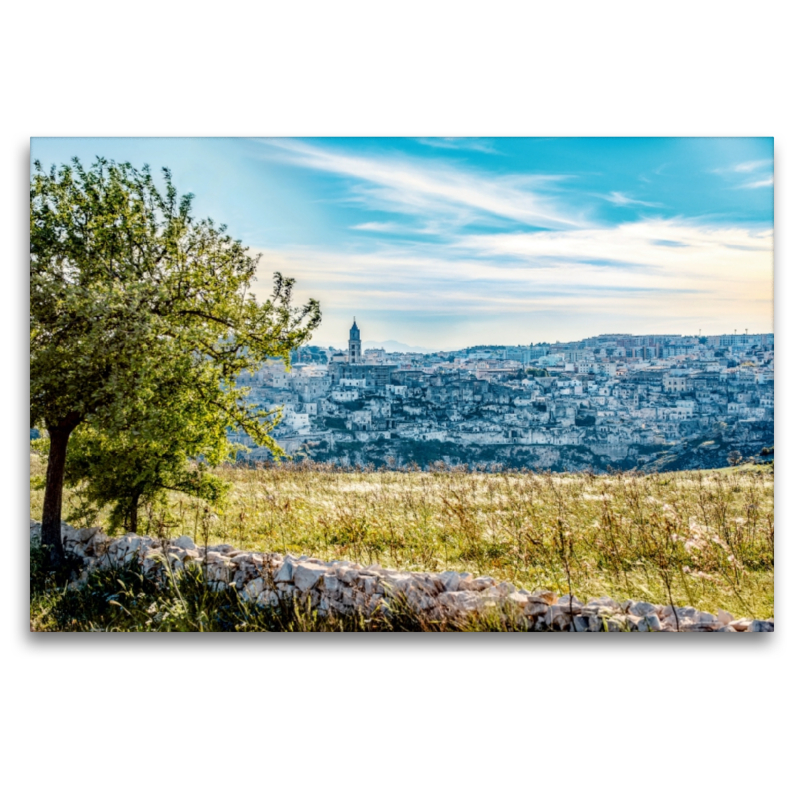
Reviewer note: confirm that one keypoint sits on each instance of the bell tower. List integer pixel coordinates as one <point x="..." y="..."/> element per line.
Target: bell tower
<point x="354" y="347"/>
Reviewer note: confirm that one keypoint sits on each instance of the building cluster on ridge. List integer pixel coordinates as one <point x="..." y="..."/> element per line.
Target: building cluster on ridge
<point x="607" y="393"/>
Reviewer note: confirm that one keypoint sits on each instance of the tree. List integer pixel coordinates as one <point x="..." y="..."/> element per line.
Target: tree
<point x="142" y="460"/>
<point x="734" y="458"/>
<point x="135" y="303"/>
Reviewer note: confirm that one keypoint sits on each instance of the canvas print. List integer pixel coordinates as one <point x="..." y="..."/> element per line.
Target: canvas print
<point x="402" y="384"/>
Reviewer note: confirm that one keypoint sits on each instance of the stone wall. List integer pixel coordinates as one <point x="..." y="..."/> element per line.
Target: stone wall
<point x="343" y="587"/>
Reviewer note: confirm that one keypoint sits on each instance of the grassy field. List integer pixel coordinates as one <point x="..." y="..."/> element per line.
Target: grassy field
<point x="704" y="539"/>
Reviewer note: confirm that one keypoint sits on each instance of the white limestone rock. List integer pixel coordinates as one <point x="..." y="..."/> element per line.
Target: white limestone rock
<point x="450" y="580"/>
<point x="518" y="598"/>
<point x="347" y="575"/>
<point x="641" y="609"/>
<point x="581" y="624"/>
<point x="602" y="606"/>
<point x="535" y="608"/>
<point x="459" y="601"/>
<point x="186" y="542"/>
<point x="479" y="584"/>
<point x="307" y="575"/>
<point x="98" y="543"/>
<point x="268" y="598"/>
<point x="253" y="589"/>
<point x="649" y="622"/>
<point x="596" y="623"/>
<point x="218" y="571"/>
<point x="69" y="534"/>
<point x="576" y="606"/>
<point x="370" y="584"/>
<point x="125" y="549"/>
<point x="285" y="571"/>
<point x="556" y="615"/>
<point x="417" y="601"/>
<point x="401" y="583"/>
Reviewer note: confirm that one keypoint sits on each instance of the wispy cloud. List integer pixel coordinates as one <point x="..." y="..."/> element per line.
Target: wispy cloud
<point x="759" y="184"/>
<point x="751" y="166"/>
<point x="377" y="227"/>
<point x="733" y="170"/>
<point x="458" y="143"/>
<point x="420" y="188"/>
<point x="759" y="172"/>
<point x="620" y="199"/>
<point x="678" y="248"/>
<point x="503" y="250"/>
<point x="656" y="271"/>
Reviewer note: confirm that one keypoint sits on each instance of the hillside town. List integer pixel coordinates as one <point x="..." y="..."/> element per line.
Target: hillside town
<point x="614" y="401"/>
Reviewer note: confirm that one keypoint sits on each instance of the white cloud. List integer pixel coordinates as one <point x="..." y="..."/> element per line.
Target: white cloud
<point x="656" y="275"/>
<point x="763" y="166"/>
<point x="378" y="227"/>
<point x="458" y="143"/>
<point x="420" y="188"/>
<point x="759" y="184"/>
<point x="750" y="166"/>
<point x="652" y="275"/>
<point x="731" y="262"/>
<point x="620" y="199"/>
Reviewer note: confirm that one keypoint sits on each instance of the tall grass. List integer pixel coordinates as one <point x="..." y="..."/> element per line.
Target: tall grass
<point x="703" y="538"/>
<point x="126" y="600"/>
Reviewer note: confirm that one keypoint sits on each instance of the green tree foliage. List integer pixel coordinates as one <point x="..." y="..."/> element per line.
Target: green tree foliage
<point x="138" y="308"/>
<point x="137" y="465"/>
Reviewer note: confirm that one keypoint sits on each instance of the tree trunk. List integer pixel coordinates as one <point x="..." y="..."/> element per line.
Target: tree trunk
<point x="132" y="516"/>
<point x="51" y="512"/>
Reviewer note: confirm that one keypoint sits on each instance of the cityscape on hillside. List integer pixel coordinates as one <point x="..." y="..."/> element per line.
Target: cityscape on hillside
<point x="609" y="402"/>
<point x="587" y="251"/>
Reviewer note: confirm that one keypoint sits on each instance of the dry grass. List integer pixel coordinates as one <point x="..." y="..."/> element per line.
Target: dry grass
<point x="694" y="538"/>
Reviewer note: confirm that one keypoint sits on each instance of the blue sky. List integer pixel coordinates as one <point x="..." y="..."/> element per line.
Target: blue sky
<point x="454" y="242"/>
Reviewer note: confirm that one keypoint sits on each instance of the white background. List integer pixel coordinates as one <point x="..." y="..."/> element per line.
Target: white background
<point x="395" y="716"/>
